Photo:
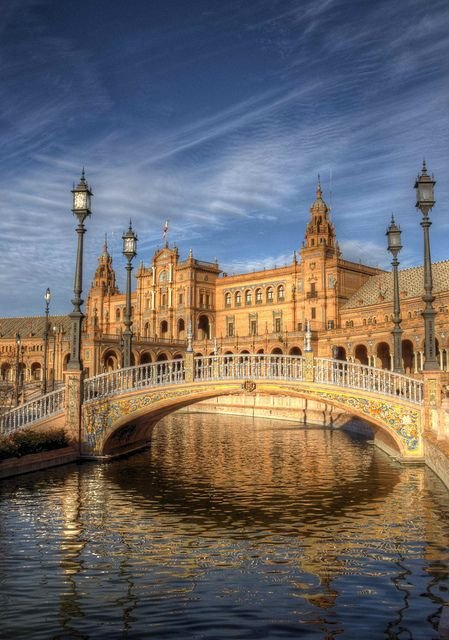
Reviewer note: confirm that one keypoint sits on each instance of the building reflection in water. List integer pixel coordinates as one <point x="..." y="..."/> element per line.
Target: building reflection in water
<point x="228" y="521"/>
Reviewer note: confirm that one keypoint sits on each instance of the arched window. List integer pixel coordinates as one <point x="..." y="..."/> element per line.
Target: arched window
<point x="238" y="299"/>
<point x="117" y="315"/>
<point x="164" y="328"/>
<point x="258" y="296"/>
<point x="281" y="293"/>
<point x="228" y="299"/>
<point x="270" y="294"/>
<point x="248" y="297"/>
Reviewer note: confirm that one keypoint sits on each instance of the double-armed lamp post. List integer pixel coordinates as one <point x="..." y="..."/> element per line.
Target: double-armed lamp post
<point x="81" y="209"/>
<point x="394" y="246"/>
<point x="424" y="201"/>
<point x="47" y="298"/>
<point x="129" y="251"/>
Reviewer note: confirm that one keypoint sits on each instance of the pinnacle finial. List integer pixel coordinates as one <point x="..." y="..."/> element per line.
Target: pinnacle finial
<point x="392" y="218"/>
<point x="130" y="225"/>
<point x="319" y="193"/>
<point x="105" y="246"/>
<point x="83" y="177"/>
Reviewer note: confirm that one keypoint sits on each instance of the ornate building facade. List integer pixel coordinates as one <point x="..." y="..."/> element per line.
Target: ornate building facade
<point x="349" y="307"/>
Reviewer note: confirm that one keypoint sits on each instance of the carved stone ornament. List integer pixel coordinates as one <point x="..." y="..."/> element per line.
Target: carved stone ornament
<point x="249" y="386"/>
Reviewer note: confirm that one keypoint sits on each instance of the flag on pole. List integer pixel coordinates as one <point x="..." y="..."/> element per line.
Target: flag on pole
<point x="165" y="229"/>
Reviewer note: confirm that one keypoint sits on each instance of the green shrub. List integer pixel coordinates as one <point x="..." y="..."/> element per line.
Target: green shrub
<point x="27" y="441"/>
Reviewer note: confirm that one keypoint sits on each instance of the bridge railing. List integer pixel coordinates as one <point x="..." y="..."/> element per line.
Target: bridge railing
<point x="144" y="375"/>
<point x="359" y="376"/>
<point x="260" y="366"/>
<point x="29" y="412"/>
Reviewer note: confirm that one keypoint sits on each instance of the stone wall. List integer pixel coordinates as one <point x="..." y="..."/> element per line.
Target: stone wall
<point x="254" y="405"/>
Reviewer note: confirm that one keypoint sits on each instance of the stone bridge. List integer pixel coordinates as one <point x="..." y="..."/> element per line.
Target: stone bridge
<point x="115" y="412"/>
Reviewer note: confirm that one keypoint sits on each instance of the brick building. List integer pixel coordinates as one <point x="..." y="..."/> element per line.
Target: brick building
<point x="349" y="307"/>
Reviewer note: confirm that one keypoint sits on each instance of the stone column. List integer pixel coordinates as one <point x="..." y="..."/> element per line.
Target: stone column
<point x="433" y="419"/>
<point x="189" y="367"/>
<point x="73" y="407"/>
<point x="307" y="367"/>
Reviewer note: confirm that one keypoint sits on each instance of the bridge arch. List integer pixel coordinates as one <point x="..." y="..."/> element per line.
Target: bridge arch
<point x="133" y="429"/>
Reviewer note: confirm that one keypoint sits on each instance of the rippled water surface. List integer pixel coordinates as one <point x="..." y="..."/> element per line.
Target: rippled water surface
<point x="227" y="528"/>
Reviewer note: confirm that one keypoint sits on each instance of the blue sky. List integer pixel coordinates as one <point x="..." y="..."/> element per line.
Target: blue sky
<point x="217" y="116"/>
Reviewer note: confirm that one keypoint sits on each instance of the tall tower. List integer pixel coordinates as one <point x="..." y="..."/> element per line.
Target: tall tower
<point x="104" y="277"/>
<point x="320" y="231"/>
<point x="319" y="267"/>
<point x="102" y="289"/>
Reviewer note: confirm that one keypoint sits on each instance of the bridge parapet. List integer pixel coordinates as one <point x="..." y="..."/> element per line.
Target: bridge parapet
<point x="123" y="380"/>
<point x="26" y="414"/>
<point x="358" y="376"/>
<point x="201" y="369"/>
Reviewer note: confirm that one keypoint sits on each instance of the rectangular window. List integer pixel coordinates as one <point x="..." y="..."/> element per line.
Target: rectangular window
<point x="253" y="327"/>
<point x="277" y="325"/>
<point x="180" y="298"/>
<point x="230" y="329"/>
<point x="330" y="324"/>
<point x="299" y="327"/>
<point x="313" y="313"/>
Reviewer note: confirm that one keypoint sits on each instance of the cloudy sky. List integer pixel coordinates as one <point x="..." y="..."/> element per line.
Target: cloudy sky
<point x="217" y="116"/>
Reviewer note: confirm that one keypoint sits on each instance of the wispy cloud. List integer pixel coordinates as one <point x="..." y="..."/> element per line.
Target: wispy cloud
<point x="220" y="121"/>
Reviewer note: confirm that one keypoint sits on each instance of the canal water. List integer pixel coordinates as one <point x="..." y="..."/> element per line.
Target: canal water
<point x="227" y="528"/>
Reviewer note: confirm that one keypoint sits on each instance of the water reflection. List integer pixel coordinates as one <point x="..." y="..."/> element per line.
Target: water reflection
<point x="227" y="528"/>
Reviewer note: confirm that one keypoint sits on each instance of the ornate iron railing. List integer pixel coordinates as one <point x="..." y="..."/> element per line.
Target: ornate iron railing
<point x="30" y="412"/>
<point x="144" y="375"/>
<point x="225" y="367"/>
<point x="235" y="367"/>
<point x="358" y="376"/>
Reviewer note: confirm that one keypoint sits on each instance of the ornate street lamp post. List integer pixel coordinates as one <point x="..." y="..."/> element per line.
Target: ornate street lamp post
<point x="424" y="201"/>
<point x="17" y="368"/>
<point x="47" y="298"/>
<point x="394" y="246"/>
<point x="129" y="251"/>
<point x="81" y="209"/>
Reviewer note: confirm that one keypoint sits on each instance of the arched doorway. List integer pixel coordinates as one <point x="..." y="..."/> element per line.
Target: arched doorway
<point x="36" y="372"/>
<point x="295" y="351"/>
<point x="181" y="328"/>
<point x="65" y="362"/>
<point x="383" y="355"/>
<point x="277" y="351"/>
<point x="339" y="353"/>
<point x="146" y="358"/>
<point x="164" y="328"/>
<point x="111" y="361"/>
<point x="162" y="357"/>
<point x="5" y="372"/>
<point x="361" y="354"/>
<point x="203" y="328"/>
<point x="407" y="356"/>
